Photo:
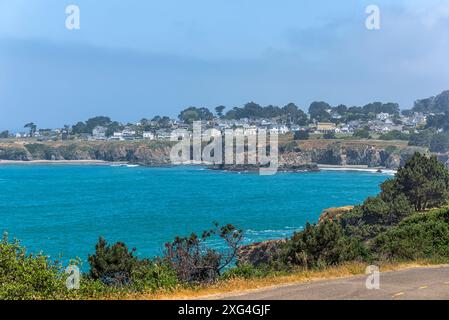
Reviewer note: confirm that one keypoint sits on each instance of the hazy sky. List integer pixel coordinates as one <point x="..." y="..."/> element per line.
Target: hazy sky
<point x="134" y="59"/>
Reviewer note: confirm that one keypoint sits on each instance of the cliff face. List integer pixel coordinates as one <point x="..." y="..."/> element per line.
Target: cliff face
<point x="369" y="153"/>
<point x="152" y="153"/>
<point x="295" y="156"/>
<point x="333" y="213"/>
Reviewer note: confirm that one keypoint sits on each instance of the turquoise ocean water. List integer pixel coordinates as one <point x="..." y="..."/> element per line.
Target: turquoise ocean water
<point x="62" y="209"/>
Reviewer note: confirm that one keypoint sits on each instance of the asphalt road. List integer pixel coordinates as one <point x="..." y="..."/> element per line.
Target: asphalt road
<point x="414" y="284"/>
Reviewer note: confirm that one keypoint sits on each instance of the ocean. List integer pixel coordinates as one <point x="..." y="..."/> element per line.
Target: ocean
<point x="63" y="209"/>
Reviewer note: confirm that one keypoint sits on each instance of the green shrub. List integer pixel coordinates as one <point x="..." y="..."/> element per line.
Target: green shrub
<point x="421" y="236"/>
<point x="112" y="264"/>
<point x="151" y="276"/>
<point x="375" y="215"/>
<point x="440" y="142"/>
<point x="27" y="276"/>
<point x="394" y="135"/>
<point x="322" y="245"/>
<point x="248" y="271"/>
<point x="424" y="181"/>
<point x="362" y="134"/>
<point x="301" y="135"/>
<point x="421" y="139"/>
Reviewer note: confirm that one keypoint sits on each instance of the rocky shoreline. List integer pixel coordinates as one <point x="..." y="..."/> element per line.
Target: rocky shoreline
<point x="295" y="156"/>
<point x="260" y="253"/>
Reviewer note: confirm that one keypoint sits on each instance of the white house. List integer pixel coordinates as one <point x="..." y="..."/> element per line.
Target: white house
<point x="117" y="136"/>
<point x="251" y="131"/>
<point x="279" y="129"/>
<point x="128" y="133"/>
<point x="383" y="116"/>
<point x="148" y="135"/>
<point x="163" y="134"/>
<point x="99" y="133"/>
<point x="21" y="135"/>
<point x="345" y="129"/>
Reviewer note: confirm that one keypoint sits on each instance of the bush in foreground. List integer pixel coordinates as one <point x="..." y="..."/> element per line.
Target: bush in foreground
<point x="112" y="264"/>
<point x="195" y="262"/>
<point x="27" y="276"/>
<point x="322" y="245"/>
<point x="421" y="236"/>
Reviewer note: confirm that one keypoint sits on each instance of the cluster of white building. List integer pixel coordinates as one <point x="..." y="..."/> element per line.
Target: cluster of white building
<point x="215" y="127"/>
<point x="383" y="123"/>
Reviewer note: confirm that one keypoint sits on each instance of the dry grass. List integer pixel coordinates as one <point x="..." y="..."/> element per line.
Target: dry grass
<point x="239" y="285"/>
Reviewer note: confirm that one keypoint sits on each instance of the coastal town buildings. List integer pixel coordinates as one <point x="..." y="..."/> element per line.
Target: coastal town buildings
<point x="148" y="135"/>
<point x="160" y="128"/>
<point x="99" y="133"/>
<point x="325" y="127"/>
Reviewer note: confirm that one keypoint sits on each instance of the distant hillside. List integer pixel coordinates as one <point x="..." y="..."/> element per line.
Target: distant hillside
<point x="437" y="104"/>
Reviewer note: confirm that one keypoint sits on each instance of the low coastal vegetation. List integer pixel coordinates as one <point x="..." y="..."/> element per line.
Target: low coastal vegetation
<point x="407" y="222"/>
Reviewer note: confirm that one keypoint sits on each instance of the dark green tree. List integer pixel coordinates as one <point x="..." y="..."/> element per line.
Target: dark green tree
<point x="421" y="139"/>
<point x="195" y="114"/>
<point x="31" y="127"/>
<point x="301" y="135"/>
<point x="294" y="115"/>
<point x="362" y="133"/>
<point x="79" y="128"/>
<point x="112" y="264"/>
<point x="97" y="121"/>
<point x="318" y="111"/>
<point x="113" y="127"/>
<point x="438" y="121"/>
<point x="440" y="142"/>
<point x="424" y="181"/>
<point x="219" y="110"/>
<point x="321" y="245"/>
<point x="90" y="124"/>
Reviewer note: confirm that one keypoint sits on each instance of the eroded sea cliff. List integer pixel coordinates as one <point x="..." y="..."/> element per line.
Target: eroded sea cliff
<point x="293" y="156"/>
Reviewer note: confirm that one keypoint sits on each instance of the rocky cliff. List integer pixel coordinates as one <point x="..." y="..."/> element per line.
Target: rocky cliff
<point x="332" y="214"/>
<point x="370" y="153"/>
<point x="148" y="153"/>
<point x="293" y="156"/>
